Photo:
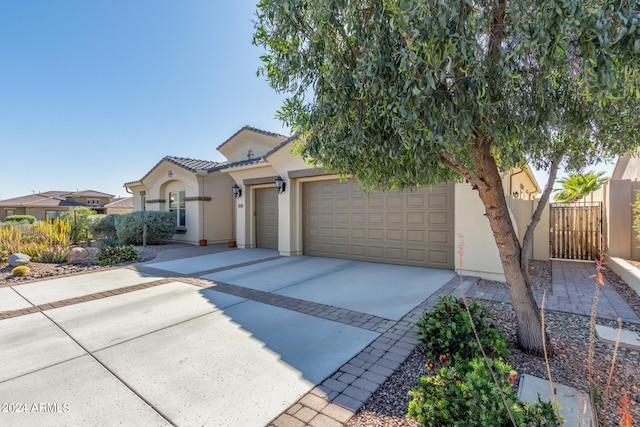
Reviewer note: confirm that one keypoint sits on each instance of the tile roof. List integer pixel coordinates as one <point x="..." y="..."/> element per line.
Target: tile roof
<point x="91" y="193"/>
<point x="192" y="165"/>
<point x="253" y="129"/>
<point x="122" y="202"/>
<point x="46" y="199"/>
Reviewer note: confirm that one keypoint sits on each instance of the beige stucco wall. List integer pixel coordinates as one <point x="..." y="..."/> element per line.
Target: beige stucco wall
<point x="621" y="238"/>
<point x="522" y="212"/>
<point x="205" y="219"/>
<point x="481" y="257"/>
<point x="237" y="148"/>
<point x="520" y="181"/>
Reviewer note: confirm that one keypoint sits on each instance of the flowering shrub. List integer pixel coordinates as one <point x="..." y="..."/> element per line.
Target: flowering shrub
<point x="43" y="237"/>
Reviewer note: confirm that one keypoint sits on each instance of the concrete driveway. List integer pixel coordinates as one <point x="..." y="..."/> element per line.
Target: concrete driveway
<point x="224" y="339"/>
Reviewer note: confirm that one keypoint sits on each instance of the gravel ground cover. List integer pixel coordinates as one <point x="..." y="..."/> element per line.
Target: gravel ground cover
<point x="40" y="271"/>
<point x="569" y="335"/>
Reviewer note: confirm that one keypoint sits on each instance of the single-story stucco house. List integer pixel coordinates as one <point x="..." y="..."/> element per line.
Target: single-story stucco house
<point x="263" y="196"/>
<point x="51" y="204"/>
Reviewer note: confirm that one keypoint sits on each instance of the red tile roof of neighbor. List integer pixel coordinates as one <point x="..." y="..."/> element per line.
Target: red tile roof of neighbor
<point x="123" y="202"/>
<point x="52" y="199"/>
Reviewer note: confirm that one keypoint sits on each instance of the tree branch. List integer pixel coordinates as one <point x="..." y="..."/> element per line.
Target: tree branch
<point x="546" y="193"/>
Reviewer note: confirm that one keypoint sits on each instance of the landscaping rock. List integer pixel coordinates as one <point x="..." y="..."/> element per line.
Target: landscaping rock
<point x="17" y="259"/>
<point x="79" y="255"/>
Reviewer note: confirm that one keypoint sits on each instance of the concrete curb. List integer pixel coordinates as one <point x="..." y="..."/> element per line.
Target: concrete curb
<point x="626" y="271"/>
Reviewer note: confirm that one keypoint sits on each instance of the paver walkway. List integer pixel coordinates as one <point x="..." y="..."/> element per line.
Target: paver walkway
<point x="572" y="292"/>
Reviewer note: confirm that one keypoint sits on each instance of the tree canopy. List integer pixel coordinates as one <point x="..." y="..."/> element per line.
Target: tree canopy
<point x="396" y="92"/>
<point x="406" y="93"/>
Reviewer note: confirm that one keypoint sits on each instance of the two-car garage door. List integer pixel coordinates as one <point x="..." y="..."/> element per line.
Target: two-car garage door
<point x="409" y="228"/>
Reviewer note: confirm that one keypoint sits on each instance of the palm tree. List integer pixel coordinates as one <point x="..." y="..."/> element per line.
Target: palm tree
<point x="576" y="186"/>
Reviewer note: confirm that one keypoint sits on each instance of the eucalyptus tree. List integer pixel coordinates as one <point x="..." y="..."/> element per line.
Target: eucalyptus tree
<point x="408" y="93"/>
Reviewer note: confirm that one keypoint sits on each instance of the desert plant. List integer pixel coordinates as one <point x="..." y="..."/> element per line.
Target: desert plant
<point x="53" y="254"/>
<point x="19" y="218"/>
<point x="101" y="226"/>
<point x="109" y="241"/>
<point x="454" y="398"/>
<point x="576" y="186"/>
<point x="35" y="238"/>
<point x="161" y="226"/>
<point x="78" y="218"/>
<point x="21" y="270"/>
<point x="117" y="254"/>
<point x="446" y="331"/>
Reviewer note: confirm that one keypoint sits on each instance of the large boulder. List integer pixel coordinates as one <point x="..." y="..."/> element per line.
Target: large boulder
<point x="79" y="255"/>
<point x="17" y="259"/>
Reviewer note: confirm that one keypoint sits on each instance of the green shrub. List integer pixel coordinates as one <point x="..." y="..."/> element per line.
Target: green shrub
<point x="103" y="226"/>
<point x="117" y="254"/>
<point x="4" y="256"/>
<point x="19" y="218"/>
<point x="161" y="226"/>
<point x="21" y="270"/>
<point x="446" y="332"/>
<point x="78" y="218"/>
<point x="453" y="398"/>
<point x="53" y="254"/>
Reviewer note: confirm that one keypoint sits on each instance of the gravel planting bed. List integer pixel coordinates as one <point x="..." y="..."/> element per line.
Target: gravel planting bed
<point x="40" y="271"/>
<point x="569" y="336"/>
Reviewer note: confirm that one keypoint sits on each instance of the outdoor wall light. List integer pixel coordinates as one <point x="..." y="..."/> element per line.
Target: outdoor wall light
<point x="237" y="191"/>
<point x="170" y="173"/>
<point x="280" y="184"/>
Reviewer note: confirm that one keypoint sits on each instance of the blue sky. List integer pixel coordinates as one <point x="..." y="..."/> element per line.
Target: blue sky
<point x="94" y="93"/>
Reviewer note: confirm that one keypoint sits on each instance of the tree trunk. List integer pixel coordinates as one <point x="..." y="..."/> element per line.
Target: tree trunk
<point x="489" y="186"/>
<point x="528" y="235"/>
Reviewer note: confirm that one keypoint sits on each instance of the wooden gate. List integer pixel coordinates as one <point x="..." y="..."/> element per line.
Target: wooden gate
<point x="576" y="230"/>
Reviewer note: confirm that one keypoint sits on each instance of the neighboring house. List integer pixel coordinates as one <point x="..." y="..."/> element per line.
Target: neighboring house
<point x="52" y="204"/>
<point x="617" y="196"/>
<point x="282" y="203"/>
<point x="119" y="205"/>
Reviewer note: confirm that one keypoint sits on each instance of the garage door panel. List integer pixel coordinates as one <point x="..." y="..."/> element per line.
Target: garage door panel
<point x="436" y="236"/>
<point x="411" y="228"/>
<point x="415" y="218"/>
<point x="438" y="218"/>
<point x="266" y="215"/>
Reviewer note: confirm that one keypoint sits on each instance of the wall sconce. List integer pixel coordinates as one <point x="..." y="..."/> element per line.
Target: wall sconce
<point x="170" y="174"/>
<point x="237" y="191"/>
<point x="280" y="184"/>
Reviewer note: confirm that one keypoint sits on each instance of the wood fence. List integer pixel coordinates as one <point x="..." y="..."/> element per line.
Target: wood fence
<point x="575" y="230"/>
